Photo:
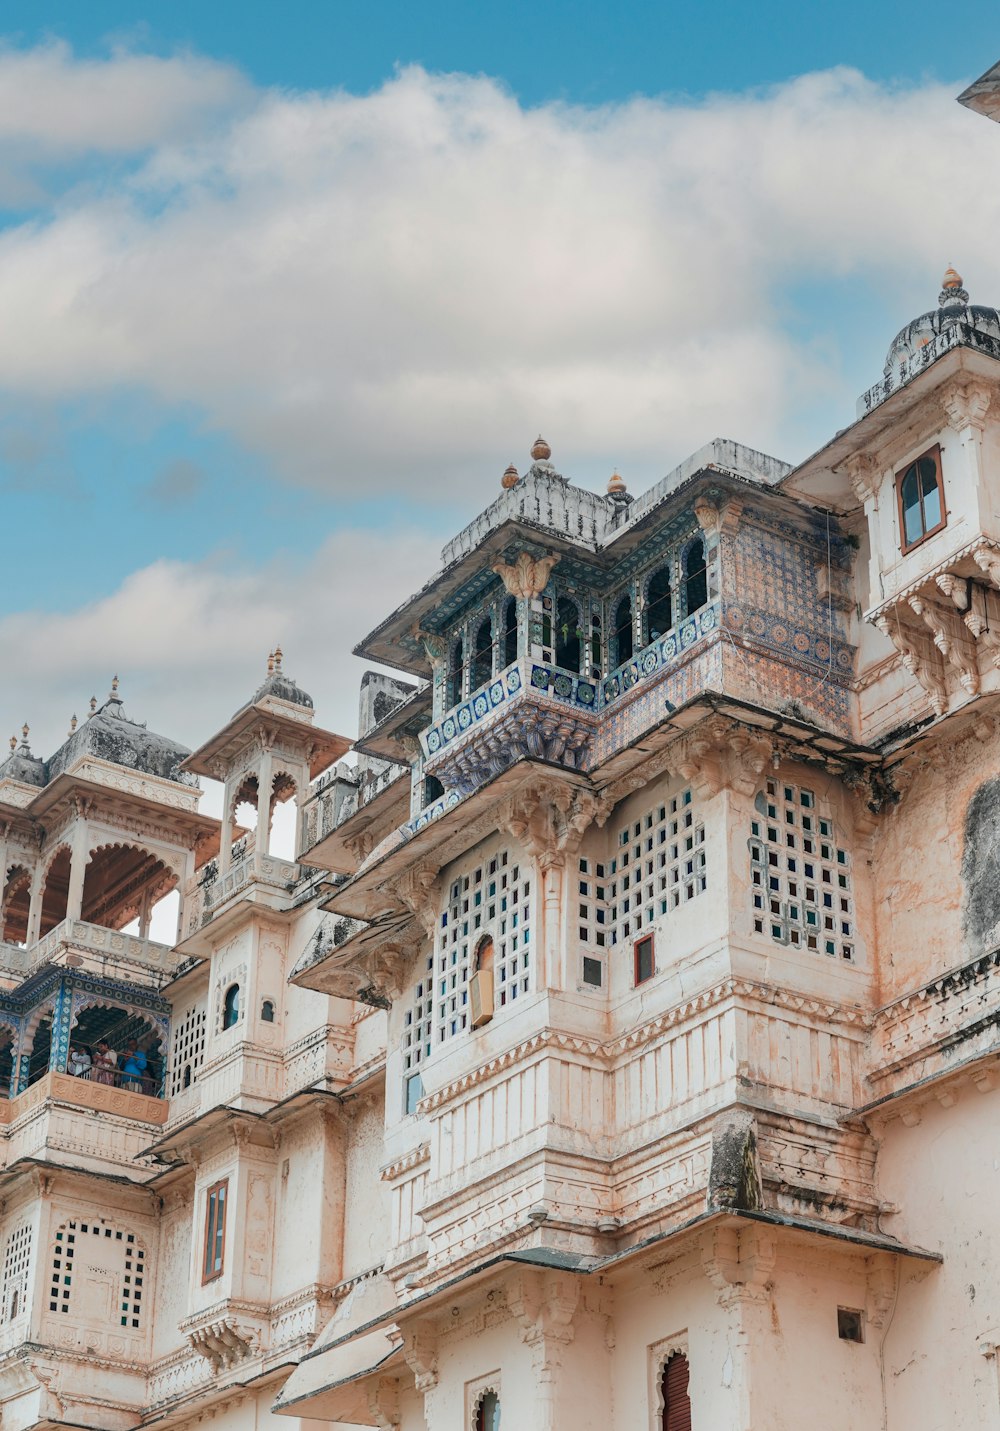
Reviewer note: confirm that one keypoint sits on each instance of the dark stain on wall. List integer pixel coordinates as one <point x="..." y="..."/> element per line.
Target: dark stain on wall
<point x="981" y="865"/>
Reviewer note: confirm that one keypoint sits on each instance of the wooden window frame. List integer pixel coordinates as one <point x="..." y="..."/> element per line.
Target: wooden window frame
<point x="210" y="1274"/>
<point x="635" y="959"/>
<point x="935" y="454"/>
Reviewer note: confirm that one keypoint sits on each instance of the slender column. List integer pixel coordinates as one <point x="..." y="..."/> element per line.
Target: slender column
<point x="264" y="781"/>
<point x="226" y="837"/>
<point x="59" y="1046"/>
<point x="185" y="880"/>
<point x="35" y="903"/>
<point x="144" y="914"/>
<point x="77" y="870"/>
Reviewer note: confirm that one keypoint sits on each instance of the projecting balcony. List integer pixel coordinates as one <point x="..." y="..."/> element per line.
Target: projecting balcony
<point x="117" y="1097"/>
<point x="539" y="711"/>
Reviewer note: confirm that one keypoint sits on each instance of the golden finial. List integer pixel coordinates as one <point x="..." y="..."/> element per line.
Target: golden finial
<point x="72" y="724"/>
<point x="952" y="279"/>
<point x="509" y="478"/>
<point x="541" y="451"/>
<point x="93" y="705"/>
<point x="278" y="658"/>
<point x="24" y="733"/>
<point x="13" y="742"/>
<point x="616" y="483"/>
<point x="270" y="663"/>
<point x="114" y="685"/>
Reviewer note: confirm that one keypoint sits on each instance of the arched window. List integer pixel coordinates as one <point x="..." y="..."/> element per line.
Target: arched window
<point x="567" y="634"/>
<point x="921" y="499"/>
<point x="621" y="636"/>
<point x="488" y="1413"/>
<point x="433" y="790"/>
<point x="186" y="1080"/>
<point x="456" y="664"/>
<point x="510" y="631"/>
<point x="482" y="661"/>
<point x="676" y="1414"/>
<point x="267" y="1011"/>
<point x="231" y="1006"/>
<point x="481" y="994"/>
<point x="695" y="576"/>
<point x="658" y="616"/>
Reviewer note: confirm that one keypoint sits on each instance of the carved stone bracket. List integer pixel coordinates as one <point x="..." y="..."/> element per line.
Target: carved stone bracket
<point x="528" y="576"/>
<point x="739" y="1262"/>
<point x="966" y="404"/>
<point x="864" y="473"/>
<point x="223" y="1343"/>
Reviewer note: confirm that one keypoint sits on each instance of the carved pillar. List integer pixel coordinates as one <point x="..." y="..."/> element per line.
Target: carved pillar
<point x="739" y="1262"/>
<point x="4" y="844"/>
<point x="187" y="875"/>
<point x="966" y="404"/>
<point x="59" y="1046"/>
<point x="421" y="1352"/>
<point x="78" y="856"/>
<point x="265" y="778"/>
<point x="35" y="902"/>
<point x="546" y="1306"/>
<point x="226" y="833"/>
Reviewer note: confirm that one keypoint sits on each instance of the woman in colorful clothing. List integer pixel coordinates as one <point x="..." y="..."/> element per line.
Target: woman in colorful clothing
<point x="105" y="1064"/>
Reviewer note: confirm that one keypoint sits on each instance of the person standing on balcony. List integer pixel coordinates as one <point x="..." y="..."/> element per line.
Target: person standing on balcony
<point x="133" y="1066"/>
<point x="105" y="1063"/>
<point x="80" y="1061"/>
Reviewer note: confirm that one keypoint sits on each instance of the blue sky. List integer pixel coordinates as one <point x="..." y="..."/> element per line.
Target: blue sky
<point x="286" y="287"/>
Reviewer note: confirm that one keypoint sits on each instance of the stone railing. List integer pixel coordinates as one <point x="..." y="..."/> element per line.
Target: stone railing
<point x="253" y="868"/>
<point x="82" y="1093"/>
<point x="75" y="942"/>
<point x="949" y="1022"/>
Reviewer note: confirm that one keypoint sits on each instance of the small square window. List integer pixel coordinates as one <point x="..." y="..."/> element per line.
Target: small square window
<point x="850" y="1324"/>
<point x="593" y="973"/>
<point x="644" y="963"/>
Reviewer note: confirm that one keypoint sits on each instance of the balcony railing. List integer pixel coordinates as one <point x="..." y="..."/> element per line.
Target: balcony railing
<point x="84" y="1093"/>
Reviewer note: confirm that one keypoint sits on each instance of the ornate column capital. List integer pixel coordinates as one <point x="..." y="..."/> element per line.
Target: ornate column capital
<point x="528" y="576"/>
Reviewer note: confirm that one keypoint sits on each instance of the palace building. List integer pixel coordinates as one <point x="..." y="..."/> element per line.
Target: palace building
<point x="621" y="1047"/>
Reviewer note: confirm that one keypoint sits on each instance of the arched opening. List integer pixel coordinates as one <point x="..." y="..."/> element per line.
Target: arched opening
<point x="482" y="660"/>
<point x="125" y="1049"/>
<point x="488" y="1412"/>
<point x="567" y="634"/>
<point x="231" y="1006"/>
<point x="186" y="1076"/>
<point x="122" y="884"/>
<point x="456" y="669"/>
<point x="695" y="576"/>
<point x="621" y="636"/>
<point x="595" y="645"/>
<point x="15" y="905"/>
<point x="433" y="790"/>
<point x="41" y="1045"/>
<point x="244" y="814"/>
<point x="658" y="616"/>
<point x="55" y="891"/>
<point x="283" y="833"/>
<point x="267" y="1011"/>
<point x="481" y="994"/>
<point x="676" y="1413"/>
<point x="510" y="631"/>
<point x="6" y="1062"/>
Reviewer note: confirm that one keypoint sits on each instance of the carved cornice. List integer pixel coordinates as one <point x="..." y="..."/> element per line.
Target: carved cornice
<point x="415" y="1158"/>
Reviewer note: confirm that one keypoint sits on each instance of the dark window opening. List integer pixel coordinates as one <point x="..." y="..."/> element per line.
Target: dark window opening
<point x="622" y="646"/>
<point x="413" y="1092"/>
<point x="186" y="1080"/>
<point x="488" y="1413"/>
<point x="659" y="605"/>
<point x="595" y="645"/>
<point x="695" y="576"/>
<point x="850" y="1325"/>
<point x="593" y="973"/>
<point x="433" y="790"/>
<point x="676" y="1414"/>
<point x="547" y="631"/>
<point x="567" y="635"/>
<point x="921" y="499"/>
<point x="456" y="664"/>
<point x="510" y="631"/>
<point x="482" y="661"/>
<point x="267" y="1011"/>
<point x="644" y="966"/>
<point x="231" y="1006"/>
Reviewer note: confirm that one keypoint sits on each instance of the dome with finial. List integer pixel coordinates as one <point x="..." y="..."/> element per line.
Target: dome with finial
<point x="277" y="686"/>
<point x="109" y="734"/>
<point x="954" y="316"/>
<point x="20" y="765"/>
<point x="616" y="483"/>
<point x="540" y="451"/>
<point x="509" y="478"/>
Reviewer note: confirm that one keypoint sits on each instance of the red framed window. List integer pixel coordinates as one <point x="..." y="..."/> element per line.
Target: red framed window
<point x="213" y="1259"/>
<point x="676" y="1415"/>
<point x="645" y="963"/>
<point x="920" y="499"/>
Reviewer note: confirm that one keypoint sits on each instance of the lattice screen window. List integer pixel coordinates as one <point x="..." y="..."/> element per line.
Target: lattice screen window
<point x="122" y="1255"/>
<point x="659" y="863"/>
<point x="418" y="1021"/>
<point x="188" y="1050"/>
<point x="16" y="1265"/>
<point x="800" y="874"/>
<point x="494" y="899"/>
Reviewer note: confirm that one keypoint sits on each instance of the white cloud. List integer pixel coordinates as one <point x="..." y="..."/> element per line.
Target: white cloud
<point x="395" y="292"/>
<point x="190" y="641"/>
<point x="55" y="106"/>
